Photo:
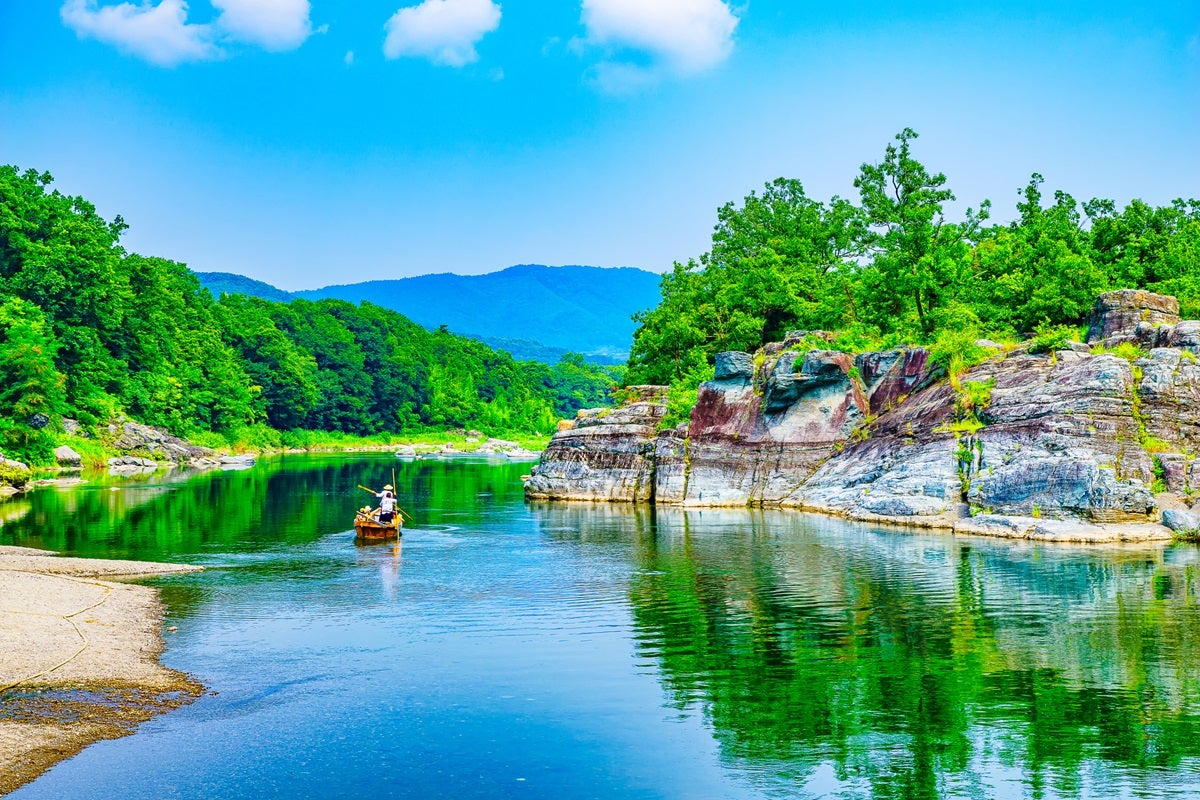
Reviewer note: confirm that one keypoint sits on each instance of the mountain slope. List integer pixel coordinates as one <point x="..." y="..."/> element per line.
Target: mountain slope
<point x="229" y="283"/>
<point x="583" y="309"/>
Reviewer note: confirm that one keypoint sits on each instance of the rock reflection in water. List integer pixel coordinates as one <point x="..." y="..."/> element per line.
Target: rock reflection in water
<point x="886" y="663"/>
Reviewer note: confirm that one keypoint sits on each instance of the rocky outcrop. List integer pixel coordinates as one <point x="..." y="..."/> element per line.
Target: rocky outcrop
<point x="1130" y="314"/>
<point x="155" y="443"/>
<point x="605" y="455"/>
<point x="1073" y="440"/>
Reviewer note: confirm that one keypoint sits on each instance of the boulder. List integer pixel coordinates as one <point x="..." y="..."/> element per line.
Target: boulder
<point x="1181" y="521"/>
<point x="67" y="457"/>
<point x="155" y="443"/>
<point x="1117" y="315"/>
<point x="734" y="366"/>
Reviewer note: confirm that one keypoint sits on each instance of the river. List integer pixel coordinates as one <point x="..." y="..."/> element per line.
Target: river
<point x="595" y="651"/>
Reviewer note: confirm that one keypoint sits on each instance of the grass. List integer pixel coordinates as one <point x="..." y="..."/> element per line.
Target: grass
<point x="1126" y="350"/>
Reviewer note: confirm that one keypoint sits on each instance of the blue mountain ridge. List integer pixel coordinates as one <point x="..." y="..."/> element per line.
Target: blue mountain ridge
<point x="538" y="310"/>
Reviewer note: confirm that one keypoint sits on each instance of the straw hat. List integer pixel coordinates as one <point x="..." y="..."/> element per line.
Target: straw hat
<point x="387" y="488"/>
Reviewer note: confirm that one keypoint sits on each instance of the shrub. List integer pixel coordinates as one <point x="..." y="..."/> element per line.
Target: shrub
<point x="1049" y="338"/>
<point x="1126" y="350"/>
<point x="683" y="394"/>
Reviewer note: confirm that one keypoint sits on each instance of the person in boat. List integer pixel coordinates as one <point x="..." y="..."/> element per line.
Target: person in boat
<point x="387" y="505"/>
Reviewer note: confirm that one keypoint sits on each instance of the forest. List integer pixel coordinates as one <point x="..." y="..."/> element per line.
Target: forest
<point x="90" y="333"/>
<point x="893" y="268"/>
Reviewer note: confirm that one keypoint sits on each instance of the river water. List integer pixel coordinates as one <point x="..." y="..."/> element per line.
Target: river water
<point x="596" y="651"/>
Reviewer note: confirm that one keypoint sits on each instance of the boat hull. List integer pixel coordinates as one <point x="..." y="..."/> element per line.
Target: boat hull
<point x="368" y="530"/>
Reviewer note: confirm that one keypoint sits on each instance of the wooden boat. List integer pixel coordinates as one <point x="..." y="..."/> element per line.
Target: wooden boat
<point x="369" y="529"/>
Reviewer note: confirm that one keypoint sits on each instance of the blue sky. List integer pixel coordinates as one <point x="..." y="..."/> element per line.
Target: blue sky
<point x="309" y="143"/>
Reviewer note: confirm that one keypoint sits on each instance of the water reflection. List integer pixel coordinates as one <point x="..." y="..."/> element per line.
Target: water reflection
<point x="622" y="651"/>
<point x="839" y="657"/>
<point x="284" y="501"/>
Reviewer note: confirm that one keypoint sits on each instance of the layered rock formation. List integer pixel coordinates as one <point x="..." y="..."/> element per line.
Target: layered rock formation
<point x="1076" y="436"/>
<point x="606" y="454"/>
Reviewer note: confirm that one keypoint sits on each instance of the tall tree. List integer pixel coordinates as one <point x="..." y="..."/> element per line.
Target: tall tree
<point x="918" y="255"/>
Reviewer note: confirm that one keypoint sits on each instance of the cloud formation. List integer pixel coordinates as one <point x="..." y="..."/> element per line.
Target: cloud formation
<point x="444" y="31"/>
<point x="271" y="24"/>
<point x="161" y="34"/>
<point x="682" y="37"/>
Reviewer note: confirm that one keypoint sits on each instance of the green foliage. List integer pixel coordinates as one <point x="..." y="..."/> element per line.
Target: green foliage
<point x="897" y="270"/>
<point x="918" y="256"/>
<point x="31" y="393"/>
<point x="975" y="396"/>
<point x="1051" y="338"/>
<point x="777" y="263"/>
<point x="1160" y="476"/>
<point x="1126" y="350"/>
<point x="683" y="395"/>
<point x="90" y="331"/>
<point x="953" y="347"/>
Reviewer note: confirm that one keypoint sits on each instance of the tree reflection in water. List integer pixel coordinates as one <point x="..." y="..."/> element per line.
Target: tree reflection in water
<point x="917" y="665"/>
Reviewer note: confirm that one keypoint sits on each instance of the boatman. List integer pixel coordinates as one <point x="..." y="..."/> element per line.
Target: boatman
<point x="387" y="504"/>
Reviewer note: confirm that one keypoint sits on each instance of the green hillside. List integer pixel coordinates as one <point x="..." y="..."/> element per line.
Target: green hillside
<point x="91" y="332"/>
<point x="228" y="283"/>
<point x="581" y="309"/>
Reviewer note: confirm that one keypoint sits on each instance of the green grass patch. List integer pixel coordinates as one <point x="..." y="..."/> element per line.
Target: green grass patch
<point x="1126" y="350"/>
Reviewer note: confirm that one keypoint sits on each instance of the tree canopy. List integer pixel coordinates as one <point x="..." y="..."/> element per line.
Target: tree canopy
<point x="895" y="268"/>
<point x="90" y="331"/>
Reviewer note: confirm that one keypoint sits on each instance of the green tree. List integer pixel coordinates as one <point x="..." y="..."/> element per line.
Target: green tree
<point x="779" y="261"/>
<point x="1037" y="270"/>
<point x="919" y="258"/>
<point x="30" y="386"/>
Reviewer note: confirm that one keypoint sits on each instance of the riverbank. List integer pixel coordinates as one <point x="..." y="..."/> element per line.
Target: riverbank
<point x="78" y="657"/>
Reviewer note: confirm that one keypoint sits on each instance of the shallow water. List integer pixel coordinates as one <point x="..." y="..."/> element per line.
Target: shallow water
<point x="555" y="651"/>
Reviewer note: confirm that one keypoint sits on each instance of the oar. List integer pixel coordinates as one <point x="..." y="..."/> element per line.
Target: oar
<point x="403" y="513"/>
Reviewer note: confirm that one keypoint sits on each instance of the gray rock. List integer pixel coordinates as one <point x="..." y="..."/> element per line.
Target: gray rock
<point x="1181" y="521"/>
<point x="1118" y="314"/>
<point x="606" y="455"/>
<point x="733" y="366"/>
<point x="132" y="461"/>
<point x="12" y="464"/>
<point x="67" y="457"/>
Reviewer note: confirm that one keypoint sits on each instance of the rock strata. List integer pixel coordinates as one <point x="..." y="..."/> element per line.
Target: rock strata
<point x="1077" y="440"/>
<point x="605" y="455"/>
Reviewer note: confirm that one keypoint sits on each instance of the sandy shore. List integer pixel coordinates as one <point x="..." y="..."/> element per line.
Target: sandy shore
<point x="78" y="657"/>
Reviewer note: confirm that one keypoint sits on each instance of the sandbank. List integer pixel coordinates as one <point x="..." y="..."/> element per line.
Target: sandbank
<point x="78" y="657"/>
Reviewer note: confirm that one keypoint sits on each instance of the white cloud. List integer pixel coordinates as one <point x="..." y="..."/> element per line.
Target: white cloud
<point x="349" y="59"/>
<point x="161" y="34"/>
<point x="686" y="36"/>
<point x="270" y="24"/>
<point x="444" y="31"/>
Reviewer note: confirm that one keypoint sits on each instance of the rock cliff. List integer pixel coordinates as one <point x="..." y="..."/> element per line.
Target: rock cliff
<point x="1026" y="444"/>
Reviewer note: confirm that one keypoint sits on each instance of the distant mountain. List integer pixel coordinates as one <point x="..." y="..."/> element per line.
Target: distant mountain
<point x="541" y="311"/>
<point x="217" y="282"/>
